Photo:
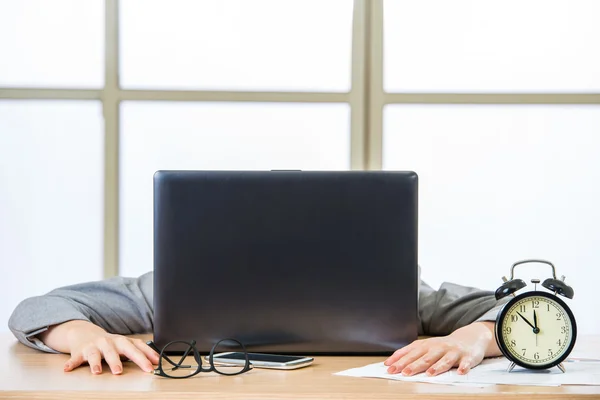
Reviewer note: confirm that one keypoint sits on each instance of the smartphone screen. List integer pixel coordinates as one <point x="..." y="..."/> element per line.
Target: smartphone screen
<point x="276" y="358"/>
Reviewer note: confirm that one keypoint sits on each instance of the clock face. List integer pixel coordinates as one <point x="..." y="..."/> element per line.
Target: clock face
<point x="536" y="330"/>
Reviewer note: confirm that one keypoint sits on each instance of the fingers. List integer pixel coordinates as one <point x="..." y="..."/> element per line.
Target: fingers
<point x="466" y="363"/>
<point x="446" y="362"/>
<point x="110" y="348"/>
<point x="423" y="363"/>
<point x="107" y="347"/>
<point x="398" y="354"/>
<point x="147" y="350"/>
<point x="128" y="349"/>
<point x="75" y="361"/>
<point x="434" y="362"/>
<point x="413" y="355"/>
<point x="94" y="358"/>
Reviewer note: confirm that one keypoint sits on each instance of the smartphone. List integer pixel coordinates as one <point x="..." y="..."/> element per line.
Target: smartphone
<point x="261" y="360"/>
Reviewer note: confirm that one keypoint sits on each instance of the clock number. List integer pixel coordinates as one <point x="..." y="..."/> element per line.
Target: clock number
<point x="548" y="305"/>
<point x="522" y="308"/>
<point x="550" y="353"/>
<point x="513" y="343"/>
<point x="507" y="330"/>
<point x="535" y="303"/>
<point x="523" y="350"/>
<point x="536" y="356"/>
<point x="558" y="343"/>
<point x="513" y="318"/>
<point x="558" y="317"/>
<point x="563" y="329"/>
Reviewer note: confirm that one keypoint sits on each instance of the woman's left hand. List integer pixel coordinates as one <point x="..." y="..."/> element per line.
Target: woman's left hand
<point x="464" y="348"/>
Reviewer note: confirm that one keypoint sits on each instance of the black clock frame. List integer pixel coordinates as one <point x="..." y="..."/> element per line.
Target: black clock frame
<point x="504" y="348"/>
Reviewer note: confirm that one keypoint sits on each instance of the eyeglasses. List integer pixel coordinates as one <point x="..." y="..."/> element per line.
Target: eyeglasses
<point x="190" y="363"/>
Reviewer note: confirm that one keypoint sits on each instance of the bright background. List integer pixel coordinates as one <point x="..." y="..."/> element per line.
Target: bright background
<point x="495" y="104"/>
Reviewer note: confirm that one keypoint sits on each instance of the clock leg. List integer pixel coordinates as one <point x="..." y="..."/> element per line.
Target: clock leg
<point x="562" y="367"/>
<point x="511" y="366"/>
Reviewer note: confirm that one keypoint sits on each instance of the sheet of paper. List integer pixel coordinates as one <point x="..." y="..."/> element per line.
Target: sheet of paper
<point x="587" y="348"/>
<point x="494" y="372"/>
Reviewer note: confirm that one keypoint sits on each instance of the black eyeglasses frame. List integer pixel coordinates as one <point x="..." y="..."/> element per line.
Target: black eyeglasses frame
<point x="192" y="348"/>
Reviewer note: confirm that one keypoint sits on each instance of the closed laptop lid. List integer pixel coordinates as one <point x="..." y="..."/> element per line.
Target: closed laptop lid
<point x="286" y="261"/>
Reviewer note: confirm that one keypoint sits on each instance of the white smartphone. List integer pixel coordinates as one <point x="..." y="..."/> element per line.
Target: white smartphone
<point x="262" y="360"/>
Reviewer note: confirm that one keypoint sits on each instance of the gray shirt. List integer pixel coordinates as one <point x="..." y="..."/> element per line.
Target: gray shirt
<point x="124" y="306"/>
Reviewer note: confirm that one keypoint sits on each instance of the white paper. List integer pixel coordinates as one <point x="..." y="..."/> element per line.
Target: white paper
<point x="494" y="372"/>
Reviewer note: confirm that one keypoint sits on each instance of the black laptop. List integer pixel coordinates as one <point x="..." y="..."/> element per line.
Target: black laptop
<point x="291" y="262"/>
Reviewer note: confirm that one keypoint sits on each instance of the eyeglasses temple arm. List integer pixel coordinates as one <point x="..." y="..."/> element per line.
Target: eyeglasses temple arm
<point x="151" y="344"/>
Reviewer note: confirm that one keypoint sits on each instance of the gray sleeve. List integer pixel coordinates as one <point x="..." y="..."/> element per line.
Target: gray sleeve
<point x="118" y="305"/>
<point x="452" y="306"/>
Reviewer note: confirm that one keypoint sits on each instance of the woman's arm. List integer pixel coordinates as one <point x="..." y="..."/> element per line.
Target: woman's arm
<point x="87" y="320"/>
<point x="452" y="306"/>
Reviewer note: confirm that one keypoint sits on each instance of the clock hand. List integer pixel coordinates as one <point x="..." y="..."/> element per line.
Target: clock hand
<point x="526" y="320"/>
<point x="536" y="330"/>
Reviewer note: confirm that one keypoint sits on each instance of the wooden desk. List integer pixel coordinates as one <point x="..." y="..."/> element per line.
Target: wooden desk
<point x="30" y="374"/>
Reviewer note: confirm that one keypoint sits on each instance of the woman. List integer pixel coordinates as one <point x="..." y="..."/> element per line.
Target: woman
<point x="88" y="322"/>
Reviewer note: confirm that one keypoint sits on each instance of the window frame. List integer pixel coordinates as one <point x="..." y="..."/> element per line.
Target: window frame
<point x="366" y="99"/>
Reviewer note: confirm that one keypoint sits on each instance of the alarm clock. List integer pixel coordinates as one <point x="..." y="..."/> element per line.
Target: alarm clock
<point x="535" y="329"/>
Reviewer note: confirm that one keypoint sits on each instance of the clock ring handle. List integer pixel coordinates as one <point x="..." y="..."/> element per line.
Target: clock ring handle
<point x="512" y="269"/>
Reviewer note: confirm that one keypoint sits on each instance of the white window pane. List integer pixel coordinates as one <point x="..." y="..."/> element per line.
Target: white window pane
<point x="51" y="185"/>
<point x="501" y="183"/>
<point x="236" y="44"/>
<point x="491" y="45"/>
<point x="227" y="136"/>
<point x="58" y="43"/>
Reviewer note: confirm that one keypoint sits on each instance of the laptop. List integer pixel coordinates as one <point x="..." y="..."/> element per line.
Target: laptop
<point x="289" y="262"/>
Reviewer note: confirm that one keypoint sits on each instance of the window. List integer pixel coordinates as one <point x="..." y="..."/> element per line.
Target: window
<point x="57" y="43"/>
<point x="51" y="185"/>
<point x="491" y="46"/>
<point x="501" y="183"/>
<point x="236" y="45"/>
<point x="493" y="103"/>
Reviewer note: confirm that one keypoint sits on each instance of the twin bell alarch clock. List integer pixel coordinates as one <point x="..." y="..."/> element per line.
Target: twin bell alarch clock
<point x="535" y="329"/>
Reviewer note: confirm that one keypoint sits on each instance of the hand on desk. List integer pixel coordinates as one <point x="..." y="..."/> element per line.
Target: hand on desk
<point x="464" y="348"/>
<point x="88" y="342"/>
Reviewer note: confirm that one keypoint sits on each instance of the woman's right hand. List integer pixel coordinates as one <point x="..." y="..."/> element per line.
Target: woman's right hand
<point x="86" y="342"/>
